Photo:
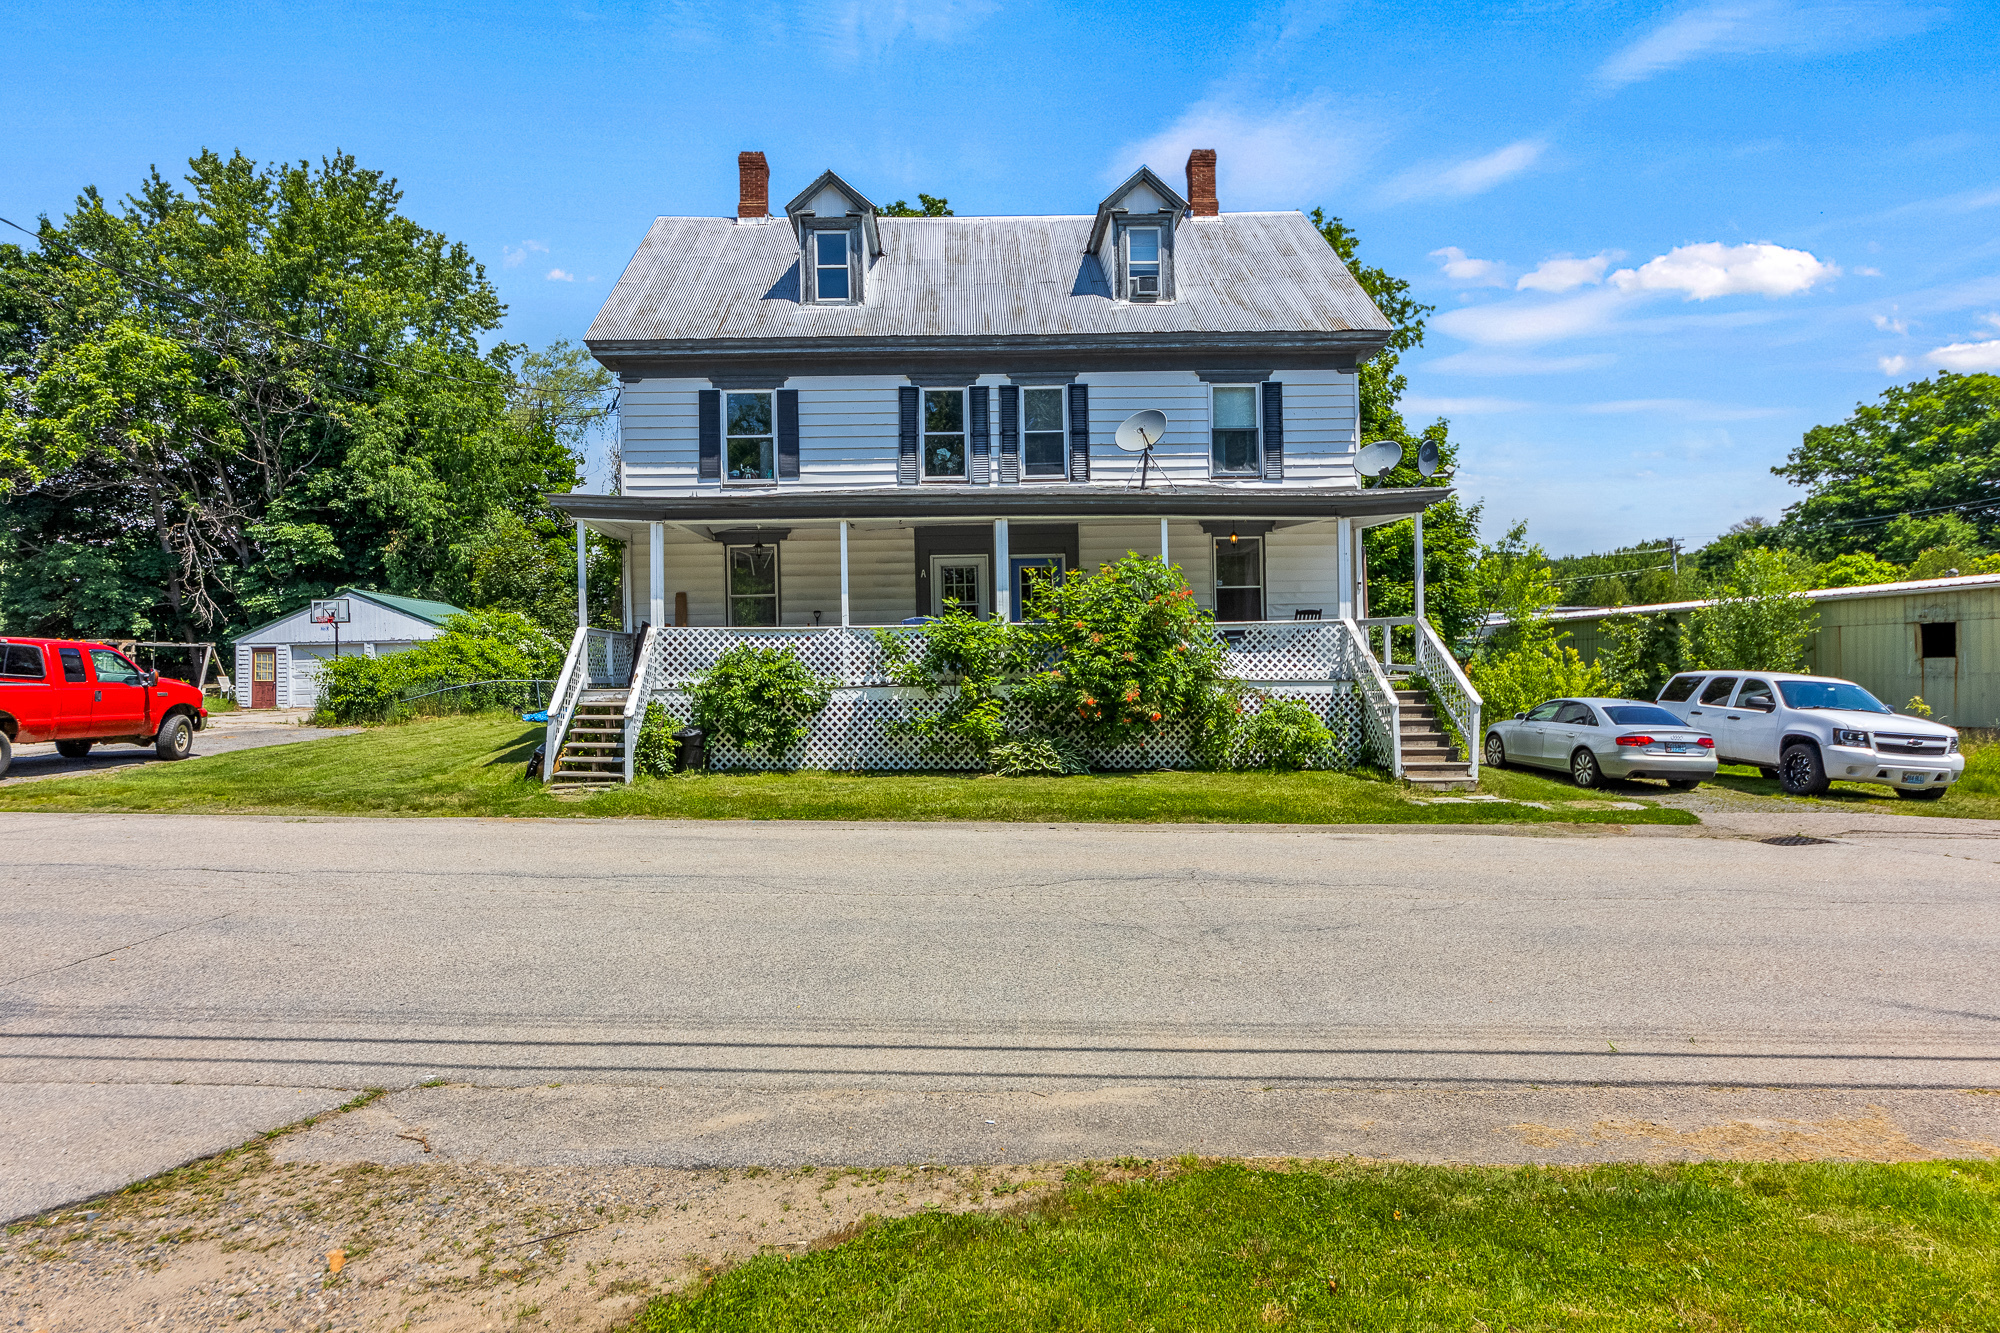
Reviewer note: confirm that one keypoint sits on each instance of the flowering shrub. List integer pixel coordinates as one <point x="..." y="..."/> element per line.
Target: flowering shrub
<point x="759" y="699"/>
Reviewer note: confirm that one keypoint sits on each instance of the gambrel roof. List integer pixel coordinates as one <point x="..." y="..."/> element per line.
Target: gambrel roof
<point x="702" y="279"/>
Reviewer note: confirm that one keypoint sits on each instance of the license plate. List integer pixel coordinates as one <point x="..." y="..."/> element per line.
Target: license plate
<point x="1673" y="748"/>
<point x="1918" y="778"/>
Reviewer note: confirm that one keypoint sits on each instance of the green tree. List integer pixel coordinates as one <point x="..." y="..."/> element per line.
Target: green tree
<point x="1932" y="446"/>
<point x="1761" y="621"/>
<point x="1638" y="574"/>
<point x="1854" y="570"/>
<point x="1523" y="661"/>
<point x="1451" y="528"/>
<point x="939" y="207"/>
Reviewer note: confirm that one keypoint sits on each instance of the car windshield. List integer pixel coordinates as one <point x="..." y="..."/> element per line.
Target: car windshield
<point x="1641" y="715"/>
<point x="1829" y="694"/>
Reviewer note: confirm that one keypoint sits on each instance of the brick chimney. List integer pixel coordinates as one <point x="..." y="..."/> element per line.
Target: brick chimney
<point x="753" y="185"/>
<point x="1201" y="184"/>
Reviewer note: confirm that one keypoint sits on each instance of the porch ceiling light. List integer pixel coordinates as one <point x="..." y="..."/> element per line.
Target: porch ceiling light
<point x="1232" y="536"/>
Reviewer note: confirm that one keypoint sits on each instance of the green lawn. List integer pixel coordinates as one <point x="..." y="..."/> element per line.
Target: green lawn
<point x="1779" y="1247"/>
<point x="1974" y="796"/>
<point x="475" y="766"/>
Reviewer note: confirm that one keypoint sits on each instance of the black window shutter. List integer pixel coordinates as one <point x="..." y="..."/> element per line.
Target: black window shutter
<point x="978" y="404"/>
<point x="906" y="434"/>
<point x="788" y="433"/>
<point x="1274" y="431"/>
<point x="1079" y="432"/>
<point x="1010" y="434"/>
<point x="708" y="430"/>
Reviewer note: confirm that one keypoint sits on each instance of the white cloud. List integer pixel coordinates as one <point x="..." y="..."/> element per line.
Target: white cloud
<point x="1966" y="357"/>
<point x="1714" y="269"/>
<point x="1472" y="176"/>
<point x="1865" y="272"/>
<point x="1694" y="409"/>
<point x="1890" y="324"/>
<point x="1459" y="407"/>
<point x="868" y="28"/>
<point x="1506" y="363"/>
<point x="1893" y="365"/>
<point x="514" y="257"/>
<point x="1461" y="267"/>
<point x="1266" y="157"/>
<point x="1517" y="323"/>
<point x="1758" y="27"/>
<point x="558" y="275"/>
<point x="1563" y="273"/>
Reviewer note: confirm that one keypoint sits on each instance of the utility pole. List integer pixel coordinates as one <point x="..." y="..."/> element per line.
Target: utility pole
<point x="1674" y="545"/>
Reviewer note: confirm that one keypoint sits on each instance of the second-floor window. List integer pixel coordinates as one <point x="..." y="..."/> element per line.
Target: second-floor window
<point x="1233" y="419"/>
<point x="830" y="265"/>
<point x="943" y="444"/>
<point x="751" y="449"/>
<point x="1042" y="435"/>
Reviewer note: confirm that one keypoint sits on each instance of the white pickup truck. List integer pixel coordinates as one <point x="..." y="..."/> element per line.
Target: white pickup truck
<point x="1808" y="731"/>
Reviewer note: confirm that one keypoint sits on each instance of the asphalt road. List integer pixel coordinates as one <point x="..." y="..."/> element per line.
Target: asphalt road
<point x="255" y="953"/>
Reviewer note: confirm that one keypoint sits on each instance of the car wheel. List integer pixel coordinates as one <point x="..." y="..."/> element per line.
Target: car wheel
<point x="176" y="738"/>
<point x="72" y="749"/>
<point x="1800" y="772"/>
<point x="1583" y="769"/>
<point x="6" y="754"/>
<point x="1927" y="794"/>
<point x="1684" y="784"/>
<point x="1496" y="752"/>
<point x="1764" y="772"/>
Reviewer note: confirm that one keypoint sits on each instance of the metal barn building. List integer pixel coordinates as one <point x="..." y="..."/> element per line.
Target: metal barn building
<point x="277" y="664"/>
<point x="1938" y="638"/>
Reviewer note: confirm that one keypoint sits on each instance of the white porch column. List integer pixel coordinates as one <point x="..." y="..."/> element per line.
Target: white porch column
<point x="656" y="574"/>
<point x="582" y="579"/>
<point x="1163" y="543"/>
<point x="844" y="604"/>
<point x="625" y="587"/>
<point x="1003" y="578"/>
<point x="1418" y="552"/>
<point x="1343" y="542"/>
<point x="1360" y="573"/>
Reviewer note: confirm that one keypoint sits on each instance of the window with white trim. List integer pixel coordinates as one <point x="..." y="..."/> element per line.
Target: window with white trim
<point x="1235" y="444"/>
<point x="1142" y="264"/>
<point x="829" y="254"/>
<point x="752" y="576"/>
<point x="749" y="445"/>
<point x="943" y="443"/>
<point x="1044" y="440"/>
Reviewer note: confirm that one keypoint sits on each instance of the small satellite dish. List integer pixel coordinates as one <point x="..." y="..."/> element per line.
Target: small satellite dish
<point x="1141" y="431"/>
<point x="1428" y="458"/>
<point x="1377" y="458"/>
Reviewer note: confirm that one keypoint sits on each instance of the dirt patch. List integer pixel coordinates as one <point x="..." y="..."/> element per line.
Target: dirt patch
<point x="1873" y="1137"/>
<point x="247" y="1243"/>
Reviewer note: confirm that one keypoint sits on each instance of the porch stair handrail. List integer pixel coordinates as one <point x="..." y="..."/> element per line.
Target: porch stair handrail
<point x="639" y="694"/>
<point x="562" y="700"/>
<point x="1378" y="693"/>
<point x="1451" y="690"/>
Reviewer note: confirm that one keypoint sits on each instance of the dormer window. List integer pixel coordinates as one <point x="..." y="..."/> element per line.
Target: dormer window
<point x="1143" y="267"/>
<point x="830" y="265"/>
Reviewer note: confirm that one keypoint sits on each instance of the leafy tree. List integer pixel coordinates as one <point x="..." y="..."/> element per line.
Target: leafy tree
<point x="1945" y="561"/>
<point x="230" y="394"/>
<point x="1854" y="570"/>
<point x="1715" y="560"/>
<point x="1450" y="528"/>
<point x="932" y="208"/>
<point x="1761" y="622"/>
<point x="1524" y="660"/>
<point x="1931" y="446"/>
<point x="1641" y="653"/>
<point x="1629" y="575"/>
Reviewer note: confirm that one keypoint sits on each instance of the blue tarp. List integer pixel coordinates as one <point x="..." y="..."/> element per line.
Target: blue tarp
<point x="542" y="716"/>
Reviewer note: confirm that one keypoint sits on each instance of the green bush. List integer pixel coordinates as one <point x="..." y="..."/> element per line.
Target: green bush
<point x="653" y="756"/>
<point x="1281" y="736"/>
<point x="965" y="664"/>
<point x="759" y="699"/>
<point x="476" y="646"/>
<point x="1057" y="755"/>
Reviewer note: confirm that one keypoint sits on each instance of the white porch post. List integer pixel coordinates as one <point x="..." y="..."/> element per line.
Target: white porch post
<point x="1419" y="553"/>
<point x="1163" y="543"/>
<point x="1343" y="542"/>
<point x="844" y="604"/>
<point x="582" y="580"/>
<point x="625" y="585"/>
<point x="656" y="574"/>
<point x="1003" y="578"/>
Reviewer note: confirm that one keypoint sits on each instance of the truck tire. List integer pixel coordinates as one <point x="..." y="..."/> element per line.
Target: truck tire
<point x="176" y="738"/>
<point x="6" y="754"/>
<point x="1927" y="794"/>
<point x="72" y="749"/>
<point x="1800" y="772"/>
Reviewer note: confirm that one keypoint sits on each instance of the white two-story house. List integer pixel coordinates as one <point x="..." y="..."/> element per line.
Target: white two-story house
<point x="833" y="419"/>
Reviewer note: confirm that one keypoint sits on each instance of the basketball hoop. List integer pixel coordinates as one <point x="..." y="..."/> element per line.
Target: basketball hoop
<point x="332" y="611"/>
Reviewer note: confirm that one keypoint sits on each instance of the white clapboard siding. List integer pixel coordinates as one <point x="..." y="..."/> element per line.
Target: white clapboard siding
<point x="656" y="420"/>
<point x="847" y="431"/>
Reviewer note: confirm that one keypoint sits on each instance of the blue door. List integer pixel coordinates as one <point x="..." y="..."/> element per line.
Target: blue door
<point x="1028" y="572"/>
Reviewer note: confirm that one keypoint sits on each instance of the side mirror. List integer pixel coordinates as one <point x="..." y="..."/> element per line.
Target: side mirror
<point x="1520" y="717"/>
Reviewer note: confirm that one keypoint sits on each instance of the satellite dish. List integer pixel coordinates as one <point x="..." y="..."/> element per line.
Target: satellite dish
<point x="1377" y="458"/>
<point x="1428" y="458"/>
<point x="1141" y="431"/>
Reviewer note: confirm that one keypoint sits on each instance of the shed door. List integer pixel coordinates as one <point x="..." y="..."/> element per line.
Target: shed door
<point x="263" y="677"/>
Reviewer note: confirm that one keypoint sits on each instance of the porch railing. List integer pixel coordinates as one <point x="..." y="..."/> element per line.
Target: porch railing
<point x="1450" y="690"/>
<point x="562" y="701"/>
<point x="643" y="659"/>
<point x="1381" y="715"/>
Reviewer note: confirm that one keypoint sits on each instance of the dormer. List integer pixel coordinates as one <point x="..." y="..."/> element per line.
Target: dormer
<point x="837" y="241"/>
<point x="1133" y="238"/>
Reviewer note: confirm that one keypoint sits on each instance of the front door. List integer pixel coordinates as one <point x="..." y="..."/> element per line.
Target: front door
<point x="960" y="580"/>
<point x="1239" y="578"/>
<point x="263" y="677"/>
<point x="118" y="699"/>
<point x="1030" y="573"/>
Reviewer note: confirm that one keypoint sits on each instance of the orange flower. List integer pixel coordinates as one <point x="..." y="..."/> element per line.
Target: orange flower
<point x="1132" y="696"/>
<point x="1156" y="717"/>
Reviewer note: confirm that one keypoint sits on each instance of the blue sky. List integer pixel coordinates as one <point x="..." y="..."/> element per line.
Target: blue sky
<point x="1663" y="241"/>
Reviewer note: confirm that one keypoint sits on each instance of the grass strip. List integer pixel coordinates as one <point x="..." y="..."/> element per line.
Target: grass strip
<point x="1775" y="1247"/>
<point x="476" y="766"/>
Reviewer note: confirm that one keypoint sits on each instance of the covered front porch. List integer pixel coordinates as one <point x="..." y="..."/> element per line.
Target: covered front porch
<point x="1283" y="573"/>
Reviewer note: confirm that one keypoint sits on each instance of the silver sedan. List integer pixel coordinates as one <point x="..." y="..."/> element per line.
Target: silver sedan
<point x="1597" y="739"/>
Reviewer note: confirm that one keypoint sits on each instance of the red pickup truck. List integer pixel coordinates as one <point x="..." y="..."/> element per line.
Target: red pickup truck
<point x="83" y="694"/>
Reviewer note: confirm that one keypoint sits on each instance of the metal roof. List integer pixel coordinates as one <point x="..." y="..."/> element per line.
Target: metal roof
<point x="697" y="279"/>
<point x="1963" y="581"/>
<point x="421" y="608"/>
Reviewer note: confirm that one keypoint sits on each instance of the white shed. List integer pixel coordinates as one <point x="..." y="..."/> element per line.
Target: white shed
<point x="277" y="664"/>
